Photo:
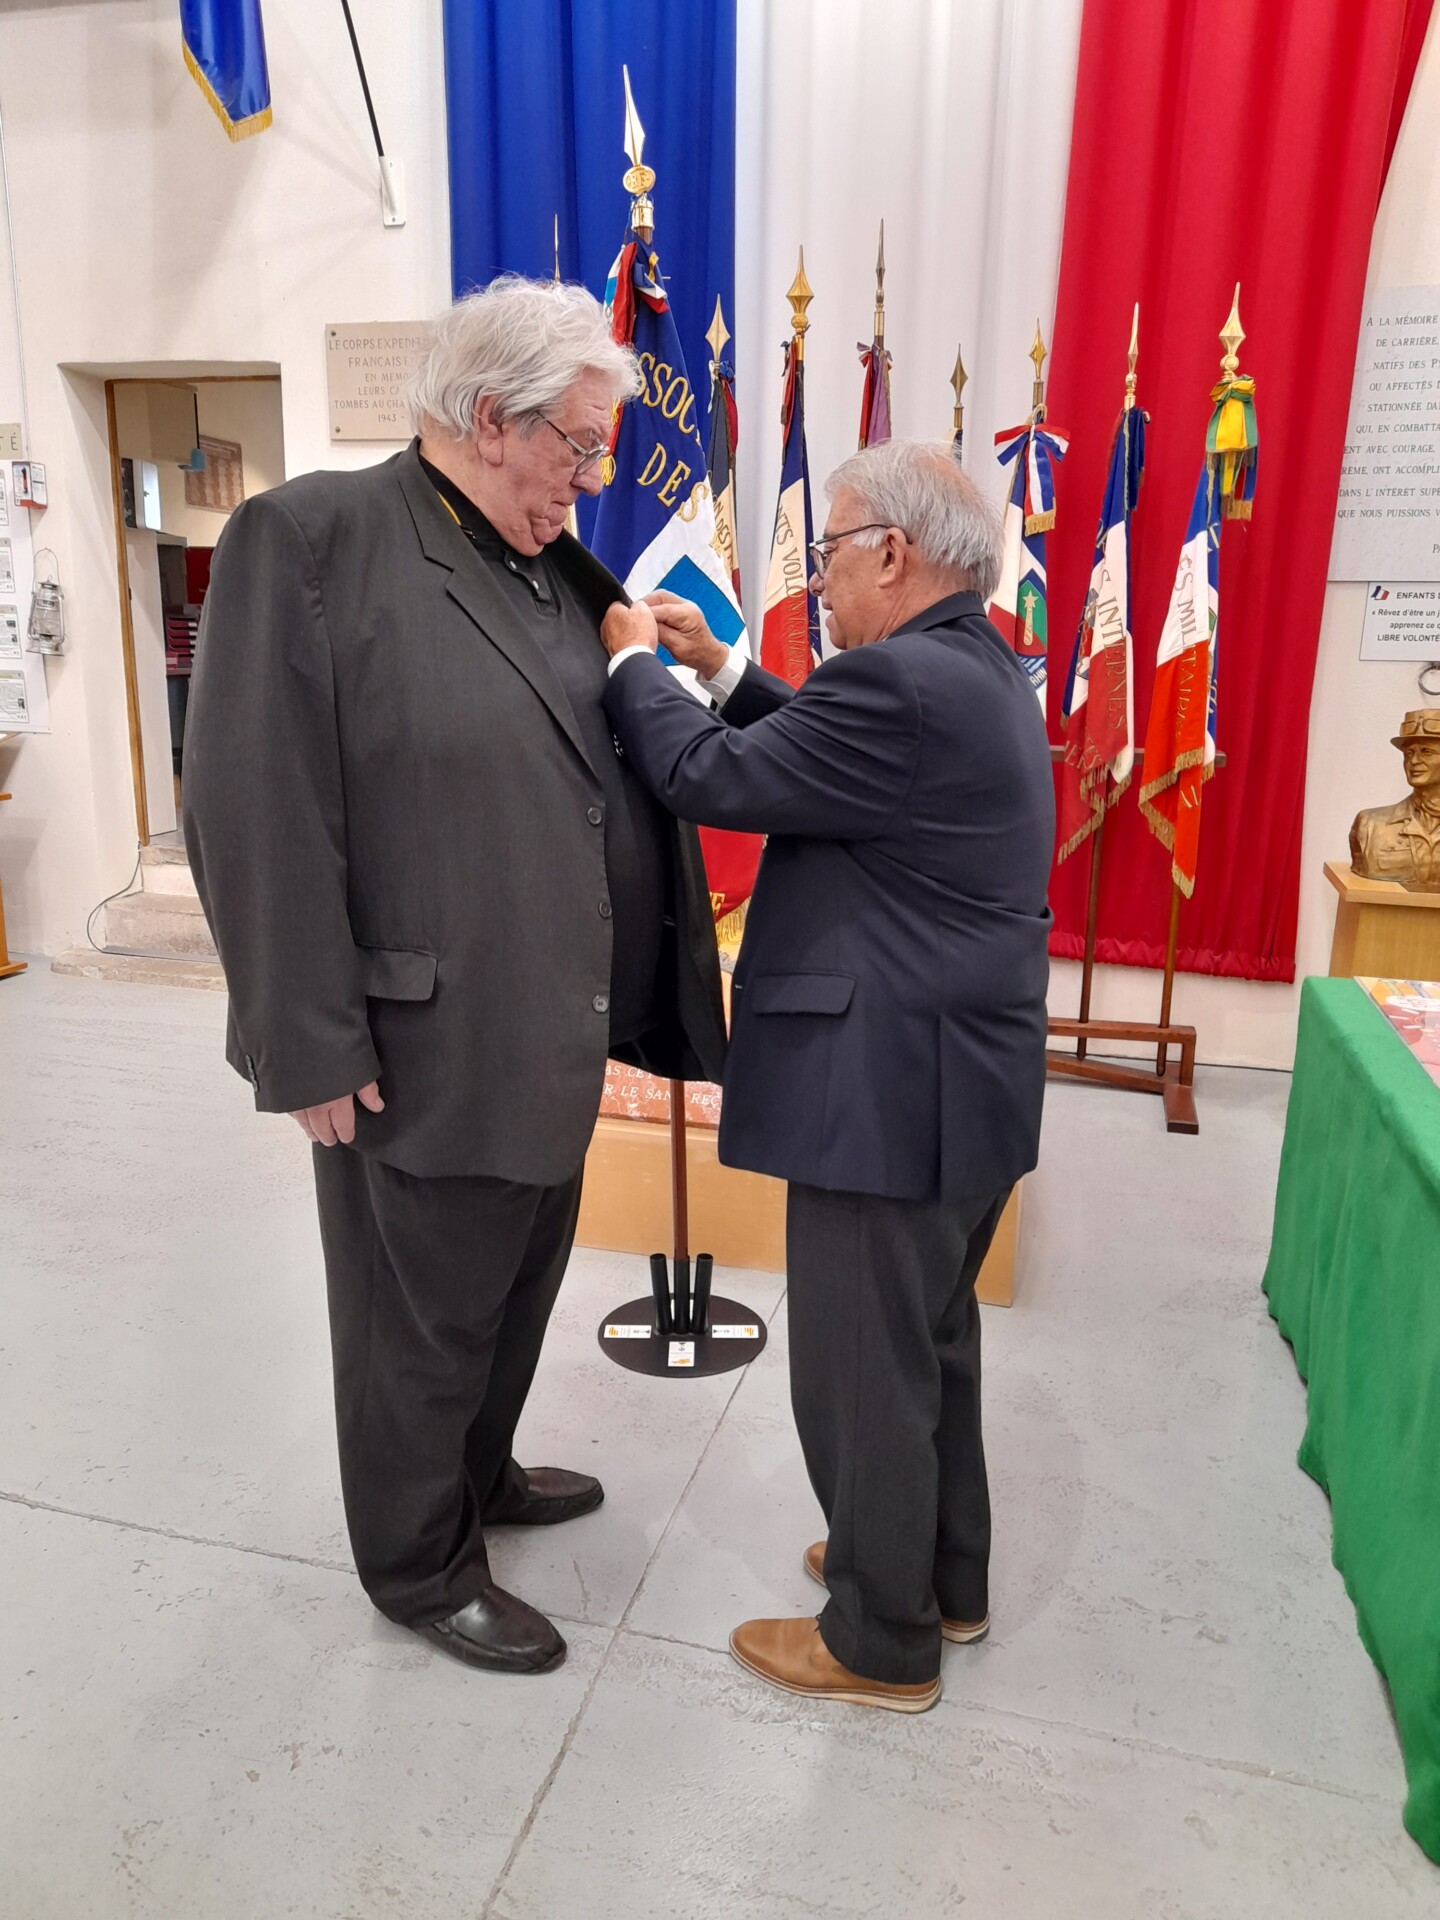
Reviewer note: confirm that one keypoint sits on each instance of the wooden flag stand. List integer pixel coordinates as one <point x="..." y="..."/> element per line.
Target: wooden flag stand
<point x="1173" y="1080"/>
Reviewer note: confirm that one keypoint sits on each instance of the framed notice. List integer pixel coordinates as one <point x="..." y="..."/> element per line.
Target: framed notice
<point x="220" y="486"/>
<point x="367" y="369"/>
<point x="1387" y="522"/>
<point x="1401" y="622"/>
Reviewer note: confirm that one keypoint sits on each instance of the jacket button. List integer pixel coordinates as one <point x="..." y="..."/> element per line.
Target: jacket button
<point x="605" y="909"/>
<point x="595" y="815"/>
<point x="601" y="1003"/>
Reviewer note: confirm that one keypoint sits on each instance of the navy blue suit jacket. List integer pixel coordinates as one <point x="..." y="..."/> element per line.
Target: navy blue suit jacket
<point x="888" y="1015"/>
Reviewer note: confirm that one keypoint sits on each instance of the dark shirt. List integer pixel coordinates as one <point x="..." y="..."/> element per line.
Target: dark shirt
<point x="546" y="606"/>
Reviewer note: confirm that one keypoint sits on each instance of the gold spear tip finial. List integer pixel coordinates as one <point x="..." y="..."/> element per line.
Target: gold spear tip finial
<point x="959" y="376"/>
<point x="640" y="178"/>
<point x="1133" y="358"/>
<point x="880" y="257"/>
<point x="719" y="333"/>
<point x="1039" y="352"/>
<point x="1231" y="335"/>
<point x="800" y="295"/>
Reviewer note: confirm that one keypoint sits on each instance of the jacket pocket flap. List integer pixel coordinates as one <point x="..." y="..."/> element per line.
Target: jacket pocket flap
<point x="800" y="992"/>
<point x="397" y="973"/>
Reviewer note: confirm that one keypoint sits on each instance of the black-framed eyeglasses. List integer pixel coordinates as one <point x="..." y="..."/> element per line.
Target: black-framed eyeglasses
<point x="585" y="457"/>
<point x="820" y="550"/>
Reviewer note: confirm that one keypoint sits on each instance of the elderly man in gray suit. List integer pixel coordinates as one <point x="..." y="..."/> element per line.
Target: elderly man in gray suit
<point x="441" y="899"/>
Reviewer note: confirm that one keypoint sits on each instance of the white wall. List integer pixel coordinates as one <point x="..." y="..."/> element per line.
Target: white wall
<point x="146" y="242"/>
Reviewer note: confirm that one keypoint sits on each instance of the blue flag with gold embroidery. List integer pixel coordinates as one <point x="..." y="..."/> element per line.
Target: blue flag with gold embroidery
<point x="224" y="42"/>
<point x="655" y="521"/>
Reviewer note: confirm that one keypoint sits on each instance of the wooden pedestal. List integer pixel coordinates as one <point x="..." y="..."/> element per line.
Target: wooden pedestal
<point x="738" y="1217"/>
<point x="7" y="965"/>
<point x="1381" y="929"/>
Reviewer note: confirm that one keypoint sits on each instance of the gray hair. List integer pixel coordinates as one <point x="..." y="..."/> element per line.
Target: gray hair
<point x="521" y="343"/>
<point x="918" y="486"/>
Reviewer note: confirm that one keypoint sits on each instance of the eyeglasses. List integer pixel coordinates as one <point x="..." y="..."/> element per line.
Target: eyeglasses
<point x="585" y="457"/>
<point x="820" y="550"/>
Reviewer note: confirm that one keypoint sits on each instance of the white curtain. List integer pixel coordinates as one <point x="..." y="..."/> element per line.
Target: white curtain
<point x="951" y="120"/>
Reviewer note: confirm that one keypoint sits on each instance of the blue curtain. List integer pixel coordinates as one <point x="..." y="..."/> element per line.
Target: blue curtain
<point x="536" y="127"/>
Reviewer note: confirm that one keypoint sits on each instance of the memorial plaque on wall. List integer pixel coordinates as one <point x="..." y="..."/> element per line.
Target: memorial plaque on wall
<point x="366" y="371"/>
<point x="1387" y="521"/>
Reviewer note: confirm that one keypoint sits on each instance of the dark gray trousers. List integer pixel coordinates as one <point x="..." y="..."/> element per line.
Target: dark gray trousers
<point x="440" y="1292"/>
<point x="885" y="1383"/>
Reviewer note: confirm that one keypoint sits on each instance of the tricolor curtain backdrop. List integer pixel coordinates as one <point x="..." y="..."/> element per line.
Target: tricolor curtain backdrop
<point x="1216" y="141"/>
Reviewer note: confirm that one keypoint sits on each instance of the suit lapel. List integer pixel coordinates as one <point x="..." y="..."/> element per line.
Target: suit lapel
<point x="471" y="589"/>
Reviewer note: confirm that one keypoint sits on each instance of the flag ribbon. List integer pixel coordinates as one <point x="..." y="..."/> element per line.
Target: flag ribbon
<point x="1232" y="445"/>
<point x="1042" y="449"/>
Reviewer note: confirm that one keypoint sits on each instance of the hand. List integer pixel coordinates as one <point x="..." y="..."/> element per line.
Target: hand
<point x="683" y="630"/>
<point x="628" y="627"/>
<point x="333" y="1121"/>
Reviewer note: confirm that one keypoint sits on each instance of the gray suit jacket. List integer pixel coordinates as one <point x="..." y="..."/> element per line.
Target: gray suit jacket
<point x="398" y="839"/>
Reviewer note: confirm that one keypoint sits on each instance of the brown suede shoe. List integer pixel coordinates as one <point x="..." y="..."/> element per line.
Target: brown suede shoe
<point x="961" y="1632"/>
<point x="791" y="1654"/>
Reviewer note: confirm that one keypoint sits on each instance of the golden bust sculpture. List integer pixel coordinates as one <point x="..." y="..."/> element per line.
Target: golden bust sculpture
<point x="1403" y="842"/>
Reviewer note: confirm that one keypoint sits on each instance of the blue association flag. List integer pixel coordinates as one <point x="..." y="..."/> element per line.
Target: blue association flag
<point x="655" y="521"/>
<point x="224" y="42"/>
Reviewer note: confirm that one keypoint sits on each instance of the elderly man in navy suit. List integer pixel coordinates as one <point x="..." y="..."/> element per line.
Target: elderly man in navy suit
<point x="888" y="1046"/>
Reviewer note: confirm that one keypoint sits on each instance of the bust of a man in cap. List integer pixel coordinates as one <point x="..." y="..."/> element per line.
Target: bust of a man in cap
<point x="1403" y="842"/>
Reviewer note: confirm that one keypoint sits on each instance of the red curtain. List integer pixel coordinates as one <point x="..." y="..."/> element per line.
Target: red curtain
<point x="1216" y="141"/>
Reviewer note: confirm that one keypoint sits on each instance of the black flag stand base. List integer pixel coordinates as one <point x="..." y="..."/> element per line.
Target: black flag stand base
<point x="677" y="1331"/>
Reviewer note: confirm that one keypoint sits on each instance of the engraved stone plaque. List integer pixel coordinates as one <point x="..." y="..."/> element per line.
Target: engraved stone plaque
<point x="366" y="369"/>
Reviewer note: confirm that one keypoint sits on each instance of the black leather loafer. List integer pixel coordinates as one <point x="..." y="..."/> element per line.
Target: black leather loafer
<point x="554" y="1494"/>
<point x="500" y="1633"/>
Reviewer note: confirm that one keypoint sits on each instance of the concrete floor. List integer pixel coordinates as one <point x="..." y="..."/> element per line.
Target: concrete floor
<point x="201" y="1716"/>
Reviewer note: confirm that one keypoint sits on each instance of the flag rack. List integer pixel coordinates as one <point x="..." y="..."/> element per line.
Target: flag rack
<point x="1174" y="1079"/>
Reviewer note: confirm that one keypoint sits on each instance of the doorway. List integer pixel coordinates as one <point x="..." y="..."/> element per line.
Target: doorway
<point x="184" y="452"/>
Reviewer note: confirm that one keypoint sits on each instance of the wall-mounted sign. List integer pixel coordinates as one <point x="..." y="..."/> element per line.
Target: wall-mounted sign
<point x="1387" y="523"/>
<point x="367" y="369"/>
<point x="1401" y="623"/>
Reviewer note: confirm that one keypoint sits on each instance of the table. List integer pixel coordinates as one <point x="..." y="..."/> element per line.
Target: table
<point x="1382" y="929"/>
<point x="1353" y="1283"/>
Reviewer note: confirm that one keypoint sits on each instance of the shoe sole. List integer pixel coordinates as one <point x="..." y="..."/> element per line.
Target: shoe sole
<point x="849" y="1696"/>
<point x="468" y="1657"/>
<point x="950" y="1630"/>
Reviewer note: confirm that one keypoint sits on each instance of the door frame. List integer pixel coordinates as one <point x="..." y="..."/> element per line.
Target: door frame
<point x="177" y="378"/>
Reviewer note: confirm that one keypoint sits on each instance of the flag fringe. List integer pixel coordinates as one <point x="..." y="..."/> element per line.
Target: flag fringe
<point x="236" y="129"/>
<point x="1097" y="814"/>
<point x="1040" y="522"/>
<point x="729" y="930"/>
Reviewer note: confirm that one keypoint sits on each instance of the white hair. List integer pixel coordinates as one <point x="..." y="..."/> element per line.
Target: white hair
<point x="521" y="343"/>
<point x="918" y="486"/>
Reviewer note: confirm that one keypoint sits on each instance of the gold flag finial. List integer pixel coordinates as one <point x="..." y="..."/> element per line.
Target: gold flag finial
<point x="557" y="249"/>
<point x="880" y="286"/>
<point x="639" y="179"/>
<point x="1231" y="335"/>
<point x="957" y="381"/>
<point x="800" y="295"/>
<point x="1038" y="353"/>
<point x="1134" y="358"/>
<point x="717" y="336"/>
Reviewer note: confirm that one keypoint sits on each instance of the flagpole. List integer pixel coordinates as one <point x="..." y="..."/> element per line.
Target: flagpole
<point x="667" y="1333"/>
<point x="1092" y="909"/>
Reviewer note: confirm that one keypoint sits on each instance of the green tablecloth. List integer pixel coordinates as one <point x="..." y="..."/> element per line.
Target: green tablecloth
<point x="1354" y="1284"/>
